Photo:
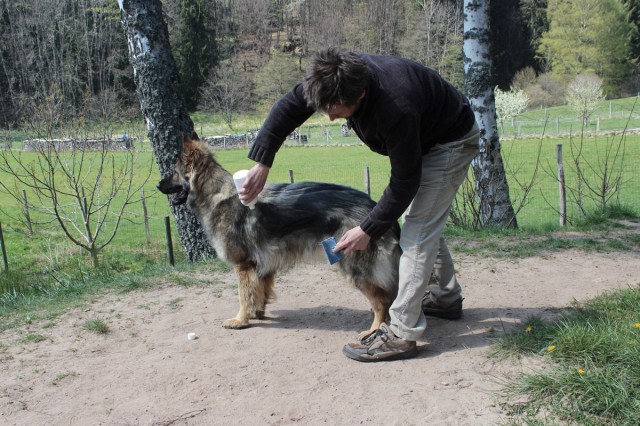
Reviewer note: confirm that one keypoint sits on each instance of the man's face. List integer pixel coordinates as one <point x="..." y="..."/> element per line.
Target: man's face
<point x="344" y="111"/>
<point x="341" y="111"/>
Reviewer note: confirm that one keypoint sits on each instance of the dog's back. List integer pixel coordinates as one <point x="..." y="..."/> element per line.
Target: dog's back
<point x="311" y="207"/>
<point x="292" y="220"/>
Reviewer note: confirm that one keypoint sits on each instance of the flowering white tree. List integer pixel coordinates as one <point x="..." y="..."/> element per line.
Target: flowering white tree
<point x="583" y="95"/>
<point x="510" y="104"/>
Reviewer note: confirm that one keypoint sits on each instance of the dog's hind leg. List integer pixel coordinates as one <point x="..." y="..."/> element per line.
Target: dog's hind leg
<point x="250" y="294"/>
<point x="380" y="302"/>
<point x="267" y="284"/>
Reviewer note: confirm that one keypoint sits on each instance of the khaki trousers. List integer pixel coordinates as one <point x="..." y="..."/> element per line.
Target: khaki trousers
<point x="444" y="169"/>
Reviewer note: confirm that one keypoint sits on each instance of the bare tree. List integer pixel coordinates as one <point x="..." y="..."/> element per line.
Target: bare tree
<point x="84" y="191"/>
<point x="227" y="93"/>
<point x="70" y="45"/>
<point x="433" y="35"/>
<point x="593" y="182"/>
<point x="488" y="168"/>
<point x="278" y="76"/>
<point x="597" y="180"/>
<point x="83" y="184"/>
<point x="164" y="109"/>
<point x="465" y="210"/>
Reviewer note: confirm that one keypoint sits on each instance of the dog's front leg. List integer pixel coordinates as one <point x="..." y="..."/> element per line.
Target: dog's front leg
<point x="380" y="302"/>
<point x="247" y="281"/>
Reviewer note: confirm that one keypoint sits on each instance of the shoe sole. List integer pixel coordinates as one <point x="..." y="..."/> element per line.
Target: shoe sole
<point x="444" y="314"/>
<point x="398" y="356"/>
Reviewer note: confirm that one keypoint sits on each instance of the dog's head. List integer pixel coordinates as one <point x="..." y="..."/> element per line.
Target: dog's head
<point x="178" y="184"/>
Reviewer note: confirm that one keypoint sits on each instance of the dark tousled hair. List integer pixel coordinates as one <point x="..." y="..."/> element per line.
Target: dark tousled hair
<point x="334" y="76"/>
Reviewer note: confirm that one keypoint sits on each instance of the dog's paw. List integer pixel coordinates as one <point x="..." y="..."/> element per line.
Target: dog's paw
<point x="235" y="324"/>
<point x="257" y="315"/>
<point x="365" y="333"/>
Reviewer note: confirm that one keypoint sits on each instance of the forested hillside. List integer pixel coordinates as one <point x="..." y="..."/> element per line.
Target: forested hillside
<point x="68" y="59"/>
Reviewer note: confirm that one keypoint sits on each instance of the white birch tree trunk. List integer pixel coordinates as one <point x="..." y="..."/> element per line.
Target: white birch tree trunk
<point x="488" y="169"/>
<point x="157" y="84"/>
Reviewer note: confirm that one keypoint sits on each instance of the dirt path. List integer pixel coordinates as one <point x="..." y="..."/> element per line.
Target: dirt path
<point x="288" y="368"/>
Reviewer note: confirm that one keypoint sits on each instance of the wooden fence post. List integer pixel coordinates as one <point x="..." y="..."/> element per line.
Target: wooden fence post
<point x="291" y="176"/>
<point x="26" y="212"/>
<point x="367" y="181"/>
<point x="561" y="186"/>
<point x="4" y="250"/>
<point x="167" y="226"/>
<point x="146" y="216"/>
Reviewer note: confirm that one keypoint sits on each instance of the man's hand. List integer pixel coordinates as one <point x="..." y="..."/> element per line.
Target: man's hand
<point x="354" y="239"/>
<point x="254" y="183"/>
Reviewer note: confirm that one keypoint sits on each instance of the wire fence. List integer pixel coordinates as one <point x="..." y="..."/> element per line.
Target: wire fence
<point x="609" y="164"/>
<point x="615" y="116"/>
<point x="599" y="169"/>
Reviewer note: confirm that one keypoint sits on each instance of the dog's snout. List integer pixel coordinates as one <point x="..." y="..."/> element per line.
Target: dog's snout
<point x="162" y="185"/>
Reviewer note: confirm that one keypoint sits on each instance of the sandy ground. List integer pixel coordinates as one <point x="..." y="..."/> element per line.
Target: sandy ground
<point x="288" y="368"/>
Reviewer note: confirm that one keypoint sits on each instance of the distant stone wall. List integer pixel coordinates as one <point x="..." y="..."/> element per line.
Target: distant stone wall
<point x="230" y="141"/>
<point x="114" y="144"/>
<point x="246" y="139"/>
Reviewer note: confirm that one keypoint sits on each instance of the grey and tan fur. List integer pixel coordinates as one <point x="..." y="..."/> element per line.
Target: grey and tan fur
<point x="288" y="223"/>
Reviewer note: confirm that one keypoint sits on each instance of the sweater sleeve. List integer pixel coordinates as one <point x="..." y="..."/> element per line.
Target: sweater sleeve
<point x="287" y="114"/>
<point x="405" y="155"/>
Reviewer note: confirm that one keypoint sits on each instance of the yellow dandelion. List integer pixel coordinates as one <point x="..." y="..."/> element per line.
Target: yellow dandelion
<point x="580" y="371"/>
<point x="528" y="330"/>
<point x="551" y="348"/>
<point x="637" y="325"/>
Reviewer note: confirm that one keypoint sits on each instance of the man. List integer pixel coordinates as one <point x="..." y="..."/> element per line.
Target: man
<point x="426" y="127"/>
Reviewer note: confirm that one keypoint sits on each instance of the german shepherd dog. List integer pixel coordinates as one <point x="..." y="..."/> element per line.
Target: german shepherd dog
<point x="288" y="224"/>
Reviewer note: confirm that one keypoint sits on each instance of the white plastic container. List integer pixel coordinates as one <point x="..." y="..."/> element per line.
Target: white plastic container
<point x="238" y="180"/>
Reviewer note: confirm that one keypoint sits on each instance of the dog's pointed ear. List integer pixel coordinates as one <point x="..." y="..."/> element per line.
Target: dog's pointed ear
<point x="192" y="152"/>
<point x="188" y="144"/>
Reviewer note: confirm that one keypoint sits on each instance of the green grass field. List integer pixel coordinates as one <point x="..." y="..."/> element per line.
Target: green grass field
<point x="346" y="165"/>
<point x="611" y="115"/>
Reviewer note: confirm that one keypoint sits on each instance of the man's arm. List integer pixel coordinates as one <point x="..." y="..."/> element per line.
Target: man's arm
<point x="405" y="155"/>
<point x="286" y="115"/>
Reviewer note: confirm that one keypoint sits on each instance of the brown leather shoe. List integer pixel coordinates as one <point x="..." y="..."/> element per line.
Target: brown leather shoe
<point x="381" y="345"/>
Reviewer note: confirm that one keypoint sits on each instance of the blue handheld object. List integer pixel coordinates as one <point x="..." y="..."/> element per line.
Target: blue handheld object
<point x="329" y="244"/>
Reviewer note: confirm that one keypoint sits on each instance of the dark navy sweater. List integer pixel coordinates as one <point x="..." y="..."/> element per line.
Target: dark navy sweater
<point x="407" y="109"/>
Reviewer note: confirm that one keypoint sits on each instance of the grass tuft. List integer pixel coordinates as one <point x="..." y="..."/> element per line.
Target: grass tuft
<point x="593" y="351"/>
<point x="97" y="326"/>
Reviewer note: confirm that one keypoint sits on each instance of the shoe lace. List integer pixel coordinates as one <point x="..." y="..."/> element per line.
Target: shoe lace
<point x="371" y="337"/>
